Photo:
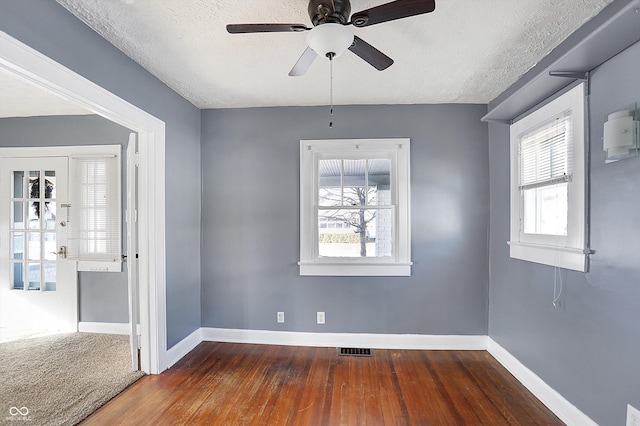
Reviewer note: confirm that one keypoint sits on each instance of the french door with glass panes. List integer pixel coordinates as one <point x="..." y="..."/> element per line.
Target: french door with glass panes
<point x="38" y="286"/>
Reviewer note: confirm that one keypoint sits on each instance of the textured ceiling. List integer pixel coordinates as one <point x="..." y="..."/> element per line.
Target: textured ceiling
<point x="466" y="51"/>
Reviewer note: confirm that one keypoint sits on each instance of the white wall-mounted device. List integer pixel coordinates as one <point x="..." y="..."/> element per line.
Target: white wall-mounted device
<point x="621" y="135"/>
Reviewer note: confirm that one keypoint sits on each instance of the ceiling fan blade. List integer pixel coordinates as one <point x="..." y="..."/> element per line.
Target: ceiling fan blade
<point x="391" y="11"/>
<point x="370" y="54"/>
<point x="265" y="28"/>
<point x="304" y="63"/>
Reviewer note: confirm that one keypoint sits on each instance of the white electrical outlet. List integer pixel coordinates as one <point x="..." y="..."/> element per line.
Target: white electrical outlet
<point x="320" y="317"/>
<point x="280" y="317"/>
<point x="633" y="416"/>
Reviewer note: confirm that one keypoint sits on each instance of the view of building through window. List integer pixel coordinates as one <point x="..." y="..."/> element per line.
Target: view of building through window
<point x="355" y="213"/>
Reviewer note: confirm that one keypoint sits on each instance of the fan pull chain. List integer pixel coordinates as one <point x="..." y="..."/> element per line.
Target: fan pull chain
<point x="330" y="89"/>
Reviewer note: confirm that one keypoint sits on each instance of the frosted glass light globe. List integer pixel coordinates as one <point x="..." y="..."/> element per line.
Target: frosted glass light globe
<point x="330" y="38"/>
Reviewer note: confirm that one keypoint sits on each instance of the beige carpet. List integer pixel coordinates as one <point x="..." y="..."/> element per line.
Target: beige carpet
<point x="61" y="379"/>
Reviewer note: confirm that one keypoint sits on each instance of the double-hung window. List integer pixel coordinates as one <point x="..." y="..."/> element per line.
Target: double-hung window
<point x="548" y="184"/>
<point x="354" y="207"/>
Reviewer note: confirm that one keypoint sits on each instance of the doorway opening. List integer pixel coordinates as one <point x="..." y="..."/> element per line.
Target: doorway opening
<point x="21" y="61"/>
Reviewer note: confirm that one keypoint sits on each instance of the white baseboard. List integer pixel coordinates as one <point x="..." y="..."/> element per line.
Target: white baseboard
<point x="104" y="327"/>
<point x="562" y="408"/>
<point x="183" y="347"/>
<point x="375" y="341"/>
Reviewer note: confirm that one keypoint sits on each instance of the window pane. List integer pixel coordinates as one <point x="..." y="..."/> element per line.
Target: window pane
<point x="34" y="215"/>
<point x="34" y="276"/>
<point x="34" y="245"/>
<point x="379" y="180"/>
<point x="354" y="233"/>
<point x="330" y="182"/>
<point x="18" y="184"/>
<point x="329" y="196"/>
<point x="356" y="196"/>
<point x="544" y="152"/>
<point x="545" y="210"/>
<point x="49" y="277"/>
<point x="49" y="216"/>
<point x="50" y="247"/>
<point x="18" y="246"/>
<point x="34" y="184"/>
<point x="354" y="171"/>
<point x="18" y="276"/>
<point x="50" y="184"/>
<point x="355" y="183"/>
<point x="18" y="214"/>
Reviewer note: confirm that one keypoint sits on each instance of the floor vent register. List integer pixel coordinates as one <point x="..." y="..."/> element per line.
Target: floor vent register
<point x="355" y="351"/>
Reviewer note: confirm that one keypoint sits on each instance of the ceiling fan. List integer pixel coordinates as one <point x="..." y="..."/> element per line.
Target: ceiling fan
<point x="330" y="36"/>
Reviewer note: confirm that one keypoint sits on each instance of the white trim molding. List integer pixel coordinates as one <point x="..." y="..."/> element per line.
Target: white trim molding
<point x="183" y="347"/>
<point x="375" y="341"/>
<point x="104" y="327"/>
<point x="567" y="258"/>
<point x="562" y="408"/>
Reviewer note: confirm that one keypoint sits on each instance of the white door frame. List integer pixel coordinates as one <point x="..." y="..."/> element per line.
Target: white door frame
<point x="132" y="247"/>
<point x="21" y="61"/>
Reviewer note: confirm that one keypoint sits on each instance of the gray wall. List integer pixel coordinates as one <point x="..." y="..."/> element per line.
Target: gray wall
<point x="586" y="349"/>
<point x="251" y="222"/>
<point x="102" y="297"/>
<point x="49" y="28"/>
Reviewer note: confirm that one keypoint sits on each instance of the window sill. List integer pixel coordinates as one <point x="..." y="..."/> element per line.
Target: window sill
<point x="351" y="270"/>
<point x="562" y="257"/>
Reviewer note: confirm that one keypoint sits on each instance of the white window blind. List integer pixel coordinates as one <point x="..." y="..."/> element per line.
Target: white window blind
<point x="95" y="213"/>
<point x="545" y="153"/>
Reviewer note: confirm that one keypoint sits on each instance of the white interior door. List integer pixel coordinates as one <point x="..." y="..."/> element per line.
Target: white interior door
<point x="38" y="285"/>
<point x="132" y="247"/>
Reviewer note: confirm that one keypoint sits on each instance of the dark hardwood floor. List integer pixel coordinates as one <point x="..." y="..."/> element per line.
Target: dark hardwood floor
<point x="230" y="384"/>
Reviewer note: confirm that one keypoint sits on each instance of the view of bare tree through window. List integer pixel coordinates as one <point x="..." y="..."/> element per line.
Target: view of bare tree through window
<point x="351" y="219"/>
<point x="355" y="211"/>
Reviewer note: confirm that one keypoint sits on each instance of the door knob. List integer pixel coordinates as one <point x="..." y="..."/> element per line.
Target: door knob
<point x="62" y="252"/>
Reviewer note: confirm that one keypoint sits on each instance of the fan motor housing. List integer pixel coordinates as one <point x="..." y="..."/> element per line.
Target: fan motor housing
<point x="328" y="11"/>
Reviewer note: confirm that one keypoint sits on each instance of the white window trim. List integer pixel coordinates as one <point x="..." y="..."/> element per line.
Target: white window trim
<point x="569" y="251"/>
<point x="310" y="263"/>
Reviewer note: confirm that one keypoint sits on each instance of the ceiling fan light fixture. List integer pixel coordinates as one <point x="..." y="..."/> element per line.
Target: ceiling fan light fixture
<point x="330" y="38"/>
